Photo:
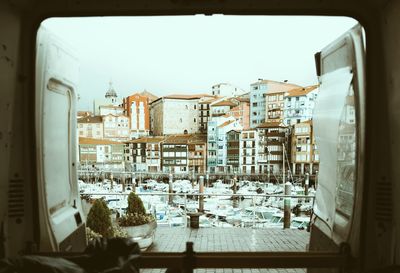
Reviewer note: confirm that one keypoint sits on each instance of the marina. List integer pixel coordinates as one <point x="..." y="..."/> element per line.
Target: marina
<point x="246" y="204"/>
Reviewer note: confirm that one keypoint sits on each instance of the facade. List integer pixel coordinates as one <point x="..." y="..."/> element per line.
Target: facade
<point x="273" y="138"/>
<point x="105" y="110"/>
<point x="248" y="147"/>
<point x="299" y="104"/>
<point x="136" y="107"/>
<point x="175" y="114"/>
<point x="232" y="151"/>
<point x="305" y="156"/>
<point x="205" y="112"/>
<point x="241" y="112"/>
<point x="212" y="147"/>
<point x="90" y="127"/>
<point x="175" y="152"/>
<point x="116" y="128"/>
<point x="222" y="107"/>
<point x="197" y="147"/>
<point x="100" y="153"/>
<point x="143" y="154"/>
<point x="226" y="90"/>
<point x="217" y="142"/>
<point x="274" y="107"/>
<point x="258" y="93"/>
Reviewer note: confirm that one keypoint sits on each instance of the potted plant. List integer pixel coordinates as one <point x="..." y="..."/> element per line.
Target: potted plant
<point x="99" y="219"/>
<point x="139" y="225"/>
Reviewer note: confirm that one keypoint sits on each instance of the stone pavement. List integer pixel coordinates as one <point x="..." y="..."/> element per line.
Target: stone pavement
<point x="230" y="239"/>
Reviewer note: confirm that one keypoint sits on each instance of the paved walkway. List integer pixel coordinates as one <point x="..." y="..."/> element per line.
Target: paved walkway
<point x="230" y="239"/>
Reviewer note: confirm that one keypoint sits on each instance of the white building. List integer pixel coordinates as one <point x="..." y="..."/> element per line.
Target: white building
<point x="90" y="127"/>
<point x="299" y="104"/>
<point x="218" y="128"/>
<point x="116" y="128"/>
<point x="175" y="114"/>
<point x="248" y="147"/>
<point x="110" y="110"/>
<point x="227" y="90"/>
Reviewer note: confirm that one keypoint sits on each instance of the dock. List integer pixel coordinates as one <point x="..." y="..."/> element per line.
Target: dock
<point x="231" y="239"/>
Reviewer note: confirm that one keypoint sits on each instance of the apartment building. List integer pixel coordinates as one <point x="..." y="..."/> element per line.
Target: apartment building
<point x="305" y="156"/>
<point x="248" y="147"/>
<point x="273" y="138"/>
<point x="241" y="112"/>
<point x="258" y="94"/>
<point x="143" y="154"/>
<point x="274" y="106"/>
<point x="233" y="151"/>
<point x="205" y="112"/>
<point x="197" y="147"/>
<point x="90" y="127"/>
<point x="217" y="142"/>
<point x="299" y="104"/>
<point x="101" y="153"/>
<point x="116" y="128"/>
<point x="222" y="107"/>
<point x="175" y="154"/>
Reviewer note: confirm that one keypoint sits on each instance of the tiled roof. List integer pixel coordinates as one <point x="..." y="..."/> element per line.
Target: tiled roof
<point x="156" y="139"/>
<point x="94" y="141"/>
<point x="271" y="125"/>
<point x="301" y="91"/>
<point x="275" y="86"/>
<point x="208" y="100"/>
<point x="184" y="97"/>
<point x="224" y="103"/>
<point x="89" y="119"/>
<point x="226" y="123"/>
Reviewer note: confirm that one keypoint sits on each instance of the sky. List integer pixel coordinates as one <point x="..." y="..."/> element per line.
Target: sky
<point x="189" y="54"/>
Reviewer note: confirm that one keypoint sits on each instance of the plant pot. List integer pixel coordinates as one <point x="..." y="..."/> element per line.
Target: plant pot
<point x="143" y="234"/>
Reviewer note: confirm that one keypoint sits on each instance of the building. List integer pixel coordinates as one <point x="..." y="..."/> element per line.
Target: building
<point x="273" y="138"/>
<point x="197" y="147"/>
<point x="143" y="154"/>
<point x="212" y="147"/>
<point x="175" y="114"/>
<point x="175" y="152"/>
<point x="217" y="143"/>
<point x="222" y="107"/>
<point x="258" y="93"/>
<point x="116" y="128"/>
<point x="90" y="127"/>
<point x="105" y="110"/>
<point x="305" y="157"/>
<point x="226" y="90"/>
<point x="101" y="153"/>
<point x="248" y="147"/>
<point x="204" y="112"/>
<point x="136" y="107"/>
<point x="110" y="98"/>
<point x="241" y="112"/>
<point x="274" y="106"/>
<point x="232" y="151"/>
<point x="299" y="104"/>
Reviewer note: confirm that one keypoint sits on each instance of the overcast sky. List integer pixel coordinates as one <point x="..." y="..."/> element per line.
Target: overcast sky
<point x="189" y="54"/>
